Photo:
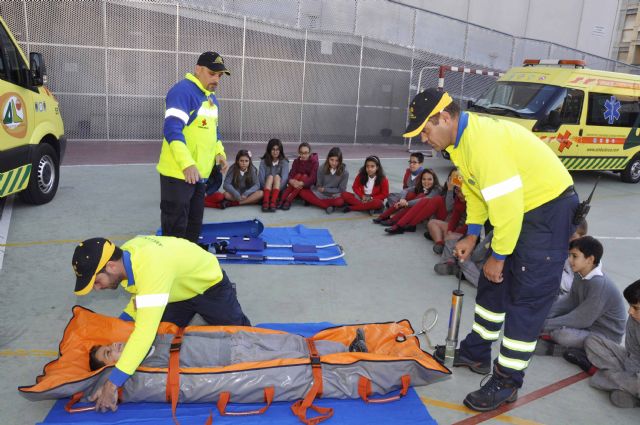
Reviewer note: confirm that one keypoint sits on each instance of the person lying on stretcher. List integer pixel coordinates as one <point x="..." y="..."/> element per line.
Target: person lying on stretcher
<point x="223" y="349"/>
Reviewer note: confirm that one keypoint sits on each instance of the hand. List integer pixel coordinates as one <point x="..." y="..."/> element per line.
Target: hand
<point x="299" y="184"/>
<point x="464" y="247"/>
<point x="366" y="198"/>
<point x="320" y="189"/>
<point x="106" y="397"/>
<point x="493" y="269"/>
<point x="243" y="197"/>
<point x="402" y="203"/>
<point x="191" y="174"/>
<point x="222" y="162"/>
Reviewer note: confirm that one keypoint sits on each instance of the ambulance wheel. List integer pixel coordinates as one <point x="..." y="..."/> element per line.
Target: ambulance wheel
<point x="631" y="173"/>
<point x="44" y="178"/>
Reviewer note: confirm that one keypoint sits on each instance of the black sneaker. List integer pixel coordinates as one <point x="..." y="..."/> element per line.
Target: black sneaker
<point x="578" y="357"/>
<point x="459" y="360"/>
<point x="427" y="235"/>
<point x="346" y="209"/>
<point x="438" y="248"/>
<point x="358" y="344"/>
<point x="378" y="220"/>
<point x="498" y="390"/>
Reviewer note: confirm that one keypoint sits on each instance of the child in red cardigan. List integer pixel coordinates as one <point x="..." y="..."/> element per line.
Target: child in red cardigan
<point x="370" y="188"/>
<point x="303" y="174"/>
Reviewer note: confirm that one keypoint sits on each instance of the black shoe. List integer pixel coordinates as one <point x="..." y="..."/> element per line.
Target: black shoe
<point x="394" y="230"/>
<point x="358" y="344"/>
<point x="374" y="212"/>
<point x="272" y="208"/>
<point x="427" y="235"/>
<point x="387" y="223"/>
<point x="330" y="210"/>
<point x="265" y="208"/>
<point x="498" y="390"/>
<point x="224" y="204"/>
<point x="459" y="360"/>
<point x="447" y="268"/>
<point x="346" y="209"/>
<point x="285" y="206"/>
<point x="378" y="220"/>
<point x="438" y="248"/>
<point x="578" y="357"/>
<point x="306" y="203"/>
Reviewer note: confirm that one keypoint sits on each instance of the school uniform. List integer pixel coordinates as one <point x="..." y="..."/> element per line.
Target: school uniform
<point x="333" y="183"/>
<point x="377" y="192"/>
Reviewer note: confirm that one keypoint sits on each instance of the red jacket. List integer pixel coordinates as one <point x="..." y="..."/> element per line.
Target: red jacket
<point x="405" y="179"/>
<point x="458" y="217"/>
<point x="380" y="191"/>
<point x="308" y="168"/>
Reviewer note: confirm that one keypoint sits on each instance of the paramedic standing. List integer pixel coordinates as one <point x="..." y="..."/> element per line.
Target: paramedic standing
<point x="170" y="279"/>
<point x="190" y="148"/>
<point x="513" y="179"/>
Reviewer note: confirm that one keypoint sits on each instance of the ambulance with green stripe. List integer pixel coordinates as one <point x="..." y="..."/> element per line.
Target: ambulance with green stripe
<point x="32" y="141"/>
<point x="588" y="118"/>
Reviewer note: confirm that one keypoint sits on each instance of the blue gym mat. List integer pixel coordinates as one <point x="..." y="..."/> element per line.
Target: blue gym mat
<point x="409" y="410"/>
<point x="300" y="235"/>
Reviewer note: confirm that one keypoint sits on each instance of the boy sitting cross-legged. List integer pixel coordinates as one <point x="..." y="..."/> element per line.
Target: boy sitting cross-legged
<point x="594" y="305"/>
<point x="618" y="366"/>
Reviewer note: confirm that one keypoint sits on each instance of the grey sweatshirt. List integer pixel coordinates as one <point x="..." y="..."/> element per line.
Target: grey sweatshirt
<point x="594" y="303"/>
<point x="268" y="169"/>
<point x="333" y="184"/>
<point x="241" y="188"/>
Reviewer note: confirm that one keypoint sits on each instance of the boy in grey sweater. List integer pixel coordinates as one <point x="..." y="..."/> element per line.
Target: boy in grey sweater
<point x="594" y="305"/>
<point x="618" y="366"/>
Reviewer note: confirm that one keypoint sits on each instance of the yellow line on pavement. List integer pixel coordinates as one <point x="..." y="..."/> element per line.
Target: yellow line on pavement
<point x="460" y="408"/>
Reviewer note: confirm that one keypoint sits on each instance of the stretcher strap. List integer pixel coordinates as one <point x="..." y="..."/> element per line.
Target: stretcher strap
<point x="173" y="373"/>
<point x="364" y="389"/>
<point x="299" y="408"/>
<point x="226" y="396"/>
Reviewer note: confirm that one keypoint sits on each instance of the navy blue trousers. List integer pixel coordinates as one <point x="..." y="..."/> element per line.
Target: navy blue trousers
<point x="522" y="301"/>
<point x="218" y="305"/>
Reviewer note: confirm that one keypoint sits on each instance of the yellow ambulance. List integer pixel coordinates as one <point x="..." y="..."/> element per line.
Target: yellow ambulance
<point x="588" y="118"/>
<point x="32" y="141"/>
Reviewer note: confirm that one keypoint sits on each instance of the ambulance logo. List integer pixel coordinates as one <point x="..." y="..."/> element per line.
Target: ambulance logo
<point x="612" y="110"/>
<point x="14" y="116"/>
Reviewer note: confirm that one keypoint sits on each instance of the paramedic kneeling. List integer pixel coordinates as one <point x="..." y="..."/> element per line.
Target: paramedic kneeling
<point x="511" y="178"/>
<point x="170" y="279"/>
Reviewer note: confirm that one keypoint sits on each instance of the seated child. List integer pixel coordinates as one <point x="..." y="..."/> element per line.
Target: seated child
<point x="240" y="186"/>
<point x="427" y="186"/>
<point x="330" y="183"/>
<point x="303" y="174"/>
<point x="409" y="180"/>
<point x="618" y="366"/>
<point x="370" y="188"/>
<point x="594" y="304"/>
<point x="454" y="227"/>
<point x="273" y="172"/>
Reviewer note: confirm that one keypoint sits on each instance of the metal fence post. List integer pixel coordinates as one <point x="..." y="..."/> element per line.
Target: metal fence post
<point x="177" y="41"/>
<point x="304" y="73"/>
<point x="26" y="26"/>
<point x="244" y="45"/>
<point x="106" y="66"/>
<point x="355" y="132"/>
<point x="513" y="52"/>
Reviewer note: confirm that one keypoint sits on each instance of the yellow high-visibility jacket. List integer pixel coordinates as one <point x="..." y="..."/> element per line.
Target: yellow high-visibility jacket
<point x="506" y="171"/>
<point x="160" y="270"/>
<point x="190" y="130"/>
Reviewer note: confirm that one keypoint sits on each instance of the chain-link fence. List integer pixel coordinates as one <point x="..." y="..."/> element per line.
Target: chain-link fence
<point x="316" y="70"/>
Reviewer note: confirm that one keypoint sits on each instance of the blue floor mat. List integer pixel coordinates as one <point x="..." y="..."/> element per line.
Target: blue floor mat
<point x="409" y="410"/>
<point x="300" y="235"/>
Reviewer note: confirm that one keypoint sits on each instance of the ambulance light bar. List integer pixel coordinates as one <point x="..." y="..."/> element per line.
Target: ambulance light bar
<point x="575" y="62"/>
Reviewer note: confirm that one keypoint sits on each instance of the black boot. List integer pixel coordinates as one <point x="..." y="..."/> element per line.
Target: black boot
<point x="498" y="390"/>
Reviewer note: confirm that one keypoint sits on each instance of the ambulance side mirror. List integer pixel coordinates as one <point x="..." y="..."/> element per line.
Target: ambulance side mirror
<point x="38" y="69"/>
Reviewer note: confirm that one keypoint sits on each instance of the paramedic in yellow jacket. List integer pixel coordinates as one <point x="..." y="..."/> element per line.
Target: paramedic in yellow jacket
<point x="515" y="181"/>
<point x="190" y="148"/>
<point x="169" y="279"/>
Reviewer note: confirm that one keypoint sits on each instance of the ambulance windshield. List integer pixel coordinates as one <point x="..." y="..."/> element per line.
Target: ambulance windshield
<point x="516" y="99"/>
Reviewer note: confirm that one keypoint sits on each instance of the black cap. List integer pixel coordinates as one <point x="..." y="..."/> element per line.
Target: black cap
<point x="89" y="258"/>
<point x="425" y="105"/>
<point x="213" y="61"/>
